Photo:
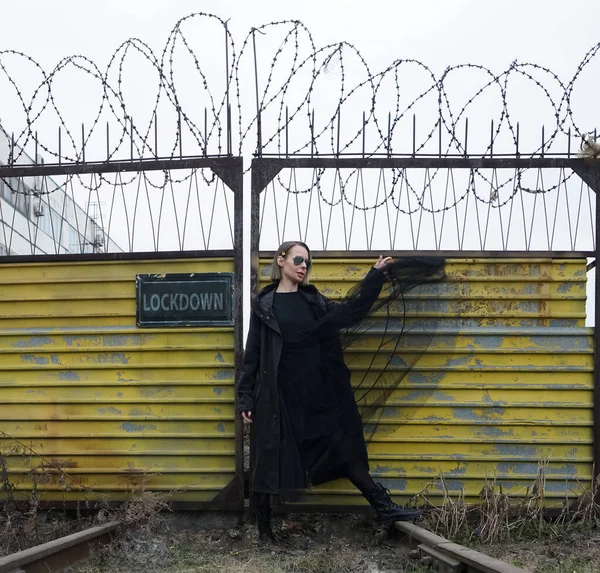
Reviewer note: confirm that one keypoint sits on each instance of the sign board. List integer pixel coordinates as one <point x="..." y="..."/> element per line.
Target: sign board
<point x="197" y="299"/>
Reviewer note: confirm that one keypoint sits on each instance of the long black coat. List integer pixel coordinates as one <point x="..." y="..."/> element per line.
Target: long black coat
<point x="258" y="385"/>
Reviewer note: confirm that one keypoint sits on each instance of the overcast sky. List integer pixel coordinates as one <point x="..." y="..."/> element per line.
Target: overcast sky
<point x="442" y="32"/>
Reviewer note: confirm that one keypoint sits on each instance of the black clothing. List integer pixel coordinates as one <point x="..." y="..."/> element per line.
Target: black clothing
<point x="306" y="424"/>
<point x="308" y="428"/>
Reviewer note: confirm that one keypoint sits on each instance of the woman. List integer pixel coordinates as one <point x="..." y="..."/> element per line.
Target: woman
<point x="295" y="388"/>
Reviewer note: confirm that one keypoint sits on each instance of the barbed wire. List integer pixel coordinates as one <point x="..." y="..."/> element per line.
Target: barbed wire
<point x="287" y="118"/>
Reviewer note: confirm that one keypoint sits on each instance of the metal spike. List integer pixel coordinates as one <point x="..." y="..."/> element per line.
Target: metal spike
<point x="364" y="129"/>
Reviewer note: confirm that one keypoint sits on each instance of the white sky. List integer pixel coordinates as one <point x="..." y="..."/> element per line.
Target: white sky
<point x="438" y="32"/>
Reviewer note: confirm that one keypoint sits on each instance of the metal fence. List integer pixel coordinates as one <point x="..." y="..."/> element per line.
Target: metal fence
<point x="350" y="159"/>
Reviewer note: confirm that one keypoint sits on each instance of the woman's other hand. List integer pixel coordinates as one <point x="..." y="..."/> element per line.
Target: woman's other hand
<point x="247" y="417"/>
<point x="382" y="262"/>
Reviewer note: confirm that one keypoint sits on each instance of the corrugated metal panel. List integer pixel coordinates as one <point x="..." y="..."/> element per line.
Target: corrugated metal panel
<point x="117" y="407"/>
<point x="508" y="382"/>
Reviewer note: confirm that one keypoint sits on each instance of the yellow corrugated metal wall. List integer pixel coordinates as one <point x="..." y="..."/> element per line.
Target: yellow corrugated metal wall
<point x="506" y="384"/>
<point x="119" y="408"/>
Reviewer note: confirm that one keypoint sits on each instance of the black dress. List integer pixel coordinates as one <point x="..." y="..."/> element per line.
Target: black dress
<point x="297" y="377"/>
<point x="313" y="439"/>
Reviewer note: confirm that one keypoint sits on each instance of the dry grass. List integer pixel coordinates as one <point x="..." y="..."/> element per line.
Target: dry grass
<point x="514" y="529"/>
<point x="310" y="544"/>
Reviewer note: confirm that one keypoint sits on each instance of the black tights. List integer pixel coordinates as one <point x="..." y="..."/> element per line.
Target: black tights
<point x="358" y="474"/>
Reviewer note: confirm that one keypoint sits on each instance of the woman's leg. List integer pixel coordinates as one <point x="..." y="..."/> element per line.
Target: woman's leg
<point x="261" y="504"/>
<point x="377" y="495"/>
<point x="358" y="474"/>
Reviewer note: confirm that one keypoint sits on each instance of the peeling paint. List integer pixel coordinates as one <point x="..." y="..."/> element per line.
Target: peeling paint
<point x="69" y="375"/>
<point x="109" y="410"/>
<point x="33" y="342"/>
<point x="35" y="359"/>
<point x="131" y="427"/>
<point x="223" y="374"/>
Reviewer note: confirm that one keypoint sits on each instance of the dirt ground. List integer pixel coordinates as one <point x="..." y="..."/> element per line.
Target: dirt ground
<point x="568" y="549"/>
<point x="309" y="544"/>
<point x="196" y="543"/>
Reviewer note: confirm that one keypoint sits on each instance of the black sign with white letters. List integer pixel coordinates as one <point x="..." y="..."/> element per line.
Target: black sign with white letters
<point x="198" y="299"/>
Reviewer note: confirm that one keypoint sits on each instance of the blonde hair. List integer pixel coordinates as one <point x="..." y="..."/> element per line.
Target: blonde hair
<point x="283" y="251"/>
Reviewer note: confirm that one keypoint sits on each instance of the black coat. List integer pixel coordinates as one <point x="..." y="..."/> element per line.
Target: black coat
<point x="258" y="385"/>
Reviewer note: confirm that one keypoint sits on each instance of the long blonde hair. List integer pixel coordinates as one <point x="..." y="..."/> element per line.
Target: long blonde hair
<point x="283" y="251"/>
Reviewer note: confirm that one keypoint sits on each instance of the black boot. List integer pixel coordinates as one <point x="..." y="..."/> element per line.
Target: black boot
<point x="386" y="509"/>
<point x="262" y="511"/>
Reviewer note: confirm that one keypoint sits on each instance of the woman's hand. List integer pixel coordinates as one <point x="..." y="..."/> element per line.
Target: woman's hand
<point x="382" y="262"/>
<point x="247" y="417"/>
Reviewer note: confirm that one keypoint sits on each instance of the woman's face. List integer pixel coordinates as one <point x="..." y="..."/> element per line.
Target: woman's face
<point x="294" y="270"/>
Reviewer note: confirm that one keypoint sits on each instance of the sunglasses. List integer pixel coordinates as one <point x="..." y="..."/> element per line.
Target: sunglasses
<point x="298" y="260"/>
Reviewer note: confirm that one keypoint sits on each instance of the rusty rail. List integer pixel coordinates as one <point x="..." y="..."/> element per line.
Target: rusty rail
<point x="448" y="557"/>
<point x="56" y="555"/>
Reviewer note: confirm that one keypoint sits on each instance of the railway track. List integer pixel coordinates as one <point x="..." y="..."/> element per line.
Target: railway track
<point x="440" y="554"/>
<point x="56" y="555"/>
<point x="447" y="557"/>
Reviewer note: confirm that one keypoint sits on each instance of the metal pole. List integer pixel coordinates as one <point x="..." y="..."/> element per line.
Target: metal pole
<point x="258" y="120"/>
<point x="596" y="429"/>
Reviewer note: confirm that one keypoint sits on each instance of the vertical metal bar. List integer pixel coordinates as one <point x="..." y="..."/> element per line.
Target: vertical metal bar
<point x="227" y="63"/>
<point x="312" y="133"/>
<point x="389" y="137"/>
<point x="414" y="135"/>
<point x="107" y="142"/>
<point x="131" y="138"/>
<point x="238" y="273"/>
<point x="155" y="136"/>
<point x="205" y="132"/>
<point x="596" y="430"/>
<point x="287" y="142"/>
<point x="59" y="145"/>
<point x="82" y="143"/>
<point x="258" y="120"/>
<point x="492" y="139"/>
<point x="440" y="137"/>
<point x="569" y="144"/>
<point x="517" y="141"/>
<point x="228" y="129"/>
<point x="364" y="129"/>
<point x="255" y="191"/>
<point x="12" y="148"/>
<point x="179" y="132"/>
<point x="36" y="147"/>
<point x="543" y="141"/>
<point x="466" y="136"/>
<point x="338" y="129"/>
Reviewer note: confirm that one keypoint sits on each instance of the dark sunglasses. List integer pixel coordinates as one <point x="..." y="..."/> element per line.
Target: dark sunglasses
<point x="298" y="260"/>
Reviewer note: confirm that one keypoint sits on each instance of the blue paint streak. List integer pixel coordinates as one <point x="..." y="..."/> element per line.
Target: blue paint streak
<point x="223" y="374"/>
<point x="33" y="342"/>
<point x="131" y="427"/>
<point x="219" y="357"/>
<point x="220" y="428"/>
<point x="40" y="360"/>
<point x="109" y="410"/>
<point x="68" y="376"/>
